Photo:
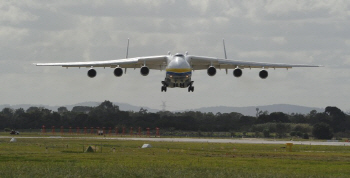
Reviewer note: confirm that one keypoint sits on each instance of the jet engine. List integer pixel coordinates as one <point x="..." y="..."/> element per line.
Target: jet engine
<point x="144" y="71"/>
<point x="211" y="71"/>
<point x="263" y="74"/>
<point x="92" y="73"/>
<point x="118" y="72"/>
<point x="237" y="72"/>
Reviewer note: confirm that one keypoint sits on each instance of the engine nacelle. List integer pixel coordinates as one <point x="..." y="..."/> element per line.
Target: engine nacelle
<point x="144" y="71"/>
<point x="118" y="72"/>
<point x="237" y="72"/>
<point x="211" y="71"/>
<point x="263" y="74"/>
<point x="92" y="73"/>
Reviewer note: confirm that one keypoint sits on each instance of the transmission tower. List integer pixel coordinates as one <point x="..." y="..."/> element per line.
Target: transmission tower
<point x="164" y="105"/>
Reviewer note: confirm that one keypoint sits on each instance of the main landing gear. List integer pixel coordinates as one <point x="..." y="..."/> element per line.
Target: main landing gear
<point x="164" y="88"/>
<point x="190" y="88"/>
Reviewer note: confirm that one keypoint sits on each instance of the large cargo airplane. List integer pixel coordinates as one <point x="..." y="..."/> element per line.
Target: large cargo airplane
<point x="178" y="67"/>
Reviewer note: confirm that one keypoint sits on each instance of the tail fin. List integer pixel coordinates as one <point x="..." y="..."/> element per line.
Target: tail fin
<point x="223" y="42"/>
<point x="127" y="49"/>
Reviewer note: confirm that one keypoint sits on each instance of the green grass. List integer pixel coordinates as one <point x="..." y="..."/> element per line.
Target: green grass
<point x="65" y="158"/>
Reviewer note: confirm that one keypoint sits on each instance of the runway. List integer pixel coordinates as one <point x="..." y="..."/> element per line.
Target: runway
<point x="198" y="140"/>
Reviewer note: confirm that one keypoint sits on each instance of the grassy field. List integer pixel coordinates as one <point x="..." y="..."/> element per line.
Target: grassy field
<point x="62" y="157"/>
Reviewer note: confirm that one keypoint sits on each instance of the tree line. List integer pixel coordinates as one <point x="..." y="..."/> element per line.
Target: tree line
<point x="324" y="125"/>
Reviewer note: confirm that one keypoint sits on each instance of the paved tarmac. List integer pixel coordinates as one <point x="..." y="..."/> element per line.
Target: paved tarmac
<point x="200" y="140"/>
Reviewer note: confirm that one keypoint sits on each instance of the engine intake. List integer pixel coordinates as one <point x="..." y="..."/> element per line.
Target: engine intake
<point x="263" y="74"/>
<point x="237" y="72"/>
<point x="144" y="71"/>
<point x="211" y="71"/>
<point x="118" y="72"/>
<point x="92" y="73"/>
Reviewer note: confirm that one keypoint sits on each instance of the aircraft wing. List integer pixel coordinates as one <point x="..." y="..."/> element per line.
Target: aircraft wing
<point x="202" y="62"/>
<point x="152" y="62"/>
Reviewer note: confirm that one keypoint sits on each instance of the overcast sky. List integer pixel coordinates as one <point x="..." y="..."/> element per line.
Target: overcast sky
<point x="293" y="31"/>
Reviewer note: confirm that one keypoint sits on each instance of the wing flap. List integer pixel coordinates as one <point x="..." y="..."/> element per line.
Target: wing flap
<point x="201" y="62"/>
<point x="124" y="63"/>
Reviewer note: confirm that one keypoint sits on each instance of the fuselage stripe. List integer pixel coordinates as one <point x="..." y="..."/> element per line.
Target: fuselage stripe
<point x="179" y="73"/>
<point x="178" y="70"/>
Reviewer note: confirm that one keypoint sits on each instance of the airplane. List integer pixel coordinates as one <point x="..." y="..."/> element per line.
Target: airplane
<point x="178" y="67"/>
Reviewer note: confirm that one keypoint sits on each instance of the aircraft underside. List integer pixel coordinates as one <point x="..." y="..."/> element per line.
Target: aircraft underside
<point x="177" y="82"/>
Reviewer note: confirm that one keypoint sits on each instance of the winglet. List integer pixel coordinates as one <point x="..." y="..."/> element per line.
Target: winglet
<point x="127" y="50"/>
<point x="223" y="42"/>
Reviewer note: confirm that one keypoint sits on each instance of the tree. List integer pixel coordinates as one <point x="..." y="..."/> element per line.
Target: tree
<point x="279" y="117"/>
<point x="32" y="109"/>
<point x="83" y="109"/>
<point x="338" y="118"/>
<point x="298" y="118"/>
<point x="322" y="131"/>
<point x="334" y="111"/>
<point x="282" y="129"/>
<point x="266" y="133"/>
<point x="62" y="110"/>
<point x="142" y="111"/>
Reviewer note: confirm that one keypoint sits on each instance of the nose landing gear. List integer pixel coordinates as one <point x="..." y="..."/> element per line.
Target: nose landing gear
<point x="164" y="87"/>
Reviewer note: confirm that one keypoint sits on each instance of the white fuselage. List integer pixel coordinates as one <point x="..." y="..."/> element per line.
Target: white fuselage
<point x="178" y="72"/>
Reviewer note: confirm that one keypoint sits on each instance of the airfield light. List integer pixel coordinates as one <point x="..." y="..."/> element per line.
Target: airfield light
<point x="139" y="132"/>
<point x="157" y="132"/>
<point x="148" y="134"/>
<point x="289" y="146"/>
<point x="53" y="130"/>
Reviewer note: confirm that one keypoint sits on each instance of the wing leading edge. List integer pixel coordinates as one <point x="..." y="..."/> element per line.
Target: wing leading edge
<point x="153" y="62"/>
<point x="202" y="62"/>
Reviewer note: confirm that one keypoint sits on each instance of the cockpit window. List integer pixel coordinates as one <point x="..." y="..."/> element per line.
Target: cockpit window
<point x="180" y="55"/>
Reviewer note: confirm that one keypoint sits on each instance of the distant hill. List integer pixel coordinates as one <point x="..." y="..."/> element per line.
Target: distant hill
<point x="251" y="110"/>
<point x="248" y="110"/>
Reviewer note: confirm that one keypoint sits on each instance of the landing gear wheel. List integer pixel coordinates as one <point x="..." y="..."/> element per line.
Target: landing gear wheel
<point x="164" y="88"/>
<point x="191" y="88"/>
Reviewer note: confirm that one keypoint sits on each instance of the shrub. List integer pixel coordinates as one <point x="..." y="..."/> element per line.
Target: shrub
<point x="322" y="131"/>
<point x="266" y="133"/>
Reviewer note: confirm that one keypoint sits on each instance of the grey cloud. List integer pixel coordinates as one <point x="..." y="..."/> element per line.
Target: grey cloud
<point x="311" y="32"/>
